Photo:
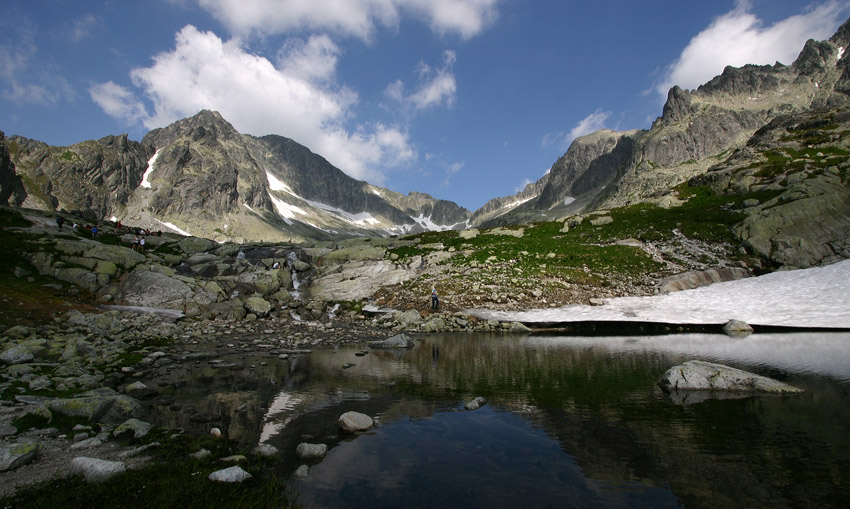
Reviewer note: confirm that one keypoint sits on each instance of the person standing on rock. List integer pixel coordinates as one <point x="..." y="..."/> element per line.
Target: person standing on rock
<point x="435" y="300"/>
<point x="142" y="245"/>
<point x="59" y="222"/>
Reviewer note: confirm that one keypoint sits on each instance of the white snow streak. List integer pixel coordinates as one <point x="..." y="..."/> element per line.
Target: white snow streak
<point x="145" y="182"/>
<point x="174" y="227"/>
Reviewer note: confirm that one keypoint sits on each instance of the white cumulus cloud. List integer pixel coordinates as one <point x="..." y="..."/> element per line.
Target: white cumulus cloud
<point x="739" y="37"/>
<point x="591" y="123"/>
<point x="356" y="18"/>
<point x="435" y="87"/>
<point x="296" y="98"/>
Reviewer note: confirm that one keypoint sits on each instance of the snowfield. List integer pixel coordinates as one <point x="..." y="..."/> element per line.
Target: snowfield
<point x="815" y="297"/>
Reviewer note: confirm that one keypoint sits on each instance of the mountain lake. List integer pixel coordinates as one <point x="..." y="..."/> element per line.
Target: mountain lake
<point x="570" y="421"/>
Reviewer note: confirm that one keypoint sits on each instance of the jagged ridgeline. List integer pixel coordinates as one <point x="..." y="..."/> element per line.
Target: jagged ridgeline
<point x="772" y="137"/>
<point x="200" y="176"/>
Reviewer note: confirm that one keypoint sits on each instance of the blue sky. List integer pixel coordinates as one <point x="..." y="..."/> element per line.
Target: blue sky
<point x="465" y="100"/>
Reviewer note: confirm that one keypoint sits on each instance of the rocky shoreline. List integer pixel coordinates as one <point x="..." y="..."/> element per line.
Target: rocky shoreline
<point x="92" y="367"/>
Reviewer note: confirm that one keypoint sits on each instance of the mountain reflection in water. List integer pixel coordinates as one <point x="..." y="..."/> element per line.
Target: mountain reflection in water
<point x="570" y="421"/>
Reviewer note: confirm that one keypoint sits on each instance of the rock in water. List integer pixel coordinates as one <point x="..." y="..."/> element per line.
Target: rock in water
<point x="708" y="376"/>
<point x="476" y="403"/>
<point x="307" y="451"/>
<point x="231" y="474"/>
<point x="737" y="328"/>
<point x="351" y="422"/>
<point x="399" y="341"/>
<point x="96" y="470"/>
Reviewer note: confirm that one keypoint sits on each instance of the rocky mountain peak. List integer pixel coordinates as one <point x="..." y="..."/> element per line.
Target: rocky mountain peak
<point x="206" y="125"/>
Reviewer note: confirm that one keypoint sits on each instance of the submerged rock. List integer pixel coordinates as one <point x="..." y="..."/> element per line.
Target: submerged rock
<point x="707" y="376"/>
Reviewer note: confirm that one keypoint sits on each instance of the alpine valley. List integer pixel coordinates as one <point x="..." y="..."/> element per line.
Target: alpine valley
<point x="778" y="133"/>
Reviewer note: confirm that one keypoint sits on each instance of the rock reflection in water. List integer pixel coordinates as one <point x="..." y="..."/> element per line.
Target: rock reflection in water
<point x="568" y="420"/>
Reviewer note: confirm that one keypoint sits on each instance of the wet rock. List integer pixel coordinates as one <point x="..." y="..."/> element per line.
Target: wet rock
<point x="476" y="403"/>
<point x="231" y="474"/>
<point x="352" y="422"/>
<point x="707" y="376"/>
<point x="306" y="451"/>
<point x="302" y="472"/>
<point x="13" y="456"/>
<point x="96" y="470"/>
<point x="399" y="341"/>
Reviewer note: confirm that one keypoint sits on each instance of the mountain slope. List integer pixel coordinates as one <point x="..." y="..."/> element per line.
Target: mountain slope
<point x="697" y="129"/>
<point x="200" y="176"/>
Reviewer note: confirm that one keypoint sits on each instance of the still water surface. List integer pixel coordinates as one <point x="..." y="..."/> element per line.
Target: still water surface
<point x="570" y="421"/>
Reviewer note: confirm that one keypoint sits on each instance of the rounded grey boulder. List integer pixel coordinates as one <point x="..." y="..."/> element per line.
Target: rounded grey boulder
<point x="707" y="376"/>
<point x="352" y="422"/>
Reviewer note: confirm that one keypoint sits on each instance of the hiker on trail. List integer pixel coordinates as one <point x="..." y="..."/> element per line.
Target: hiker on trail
<point x="142" y="244"/>
<point x="59" y="222"/>
<point x="136" y="243"/>
<point x="435" y="300"/>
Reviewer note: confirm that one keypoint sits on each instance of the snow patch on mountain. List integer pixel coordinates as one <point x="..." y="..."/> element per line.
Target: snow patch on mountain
<point x="146" y="175"/>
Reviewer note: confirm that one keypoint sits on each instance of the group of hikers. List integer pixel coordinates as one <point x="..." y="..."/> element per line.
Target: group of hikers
<point x="60" y="221"/>
<point x="138" y="241"/>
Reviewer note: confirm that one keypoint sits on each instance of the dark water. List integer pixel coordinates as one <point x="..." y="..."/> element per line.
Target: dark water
<point x="570" y="421"/>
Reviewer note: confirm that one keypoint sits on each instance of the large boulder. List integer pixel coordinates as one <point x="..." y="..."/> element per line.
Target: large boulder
<point x="152" y="289"/>
<point x="18" y="354"/>
<point x="707" y="376"/>
<point x="194" y="245"/>
<point x="352" y="422"/>
<point x="696" y="279"/>
<point x="409" y="317"/>
<point x="96" y="470"/>
<point x="258" y="305"/>
<point x="118" y="255"/>
<point x="358" y="280"/>
<point x="13" y="456"/>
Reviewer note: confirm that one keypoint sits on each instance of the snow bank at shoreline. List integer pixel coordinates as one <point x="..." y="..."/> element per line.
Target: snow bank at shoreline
<point x="815" y="297"/>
